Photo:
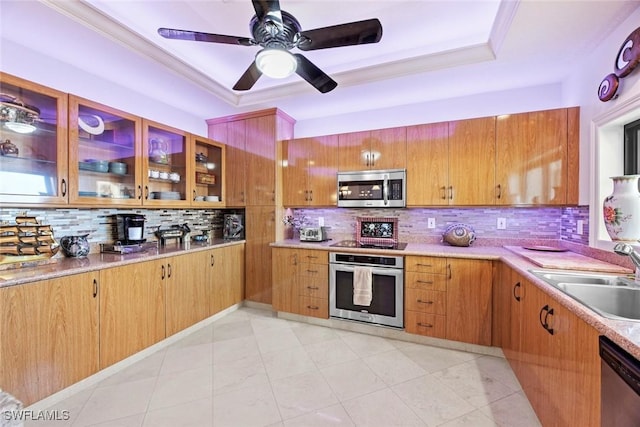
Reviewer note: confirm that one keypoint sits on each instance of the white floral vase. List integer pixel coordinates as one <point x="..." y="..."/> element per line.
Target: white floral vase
<point x="622" y="209"/>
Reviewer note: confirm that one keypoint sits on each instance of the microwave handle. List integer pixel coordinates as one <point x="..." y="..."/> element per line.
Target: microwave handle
<point x="385" y="189"/>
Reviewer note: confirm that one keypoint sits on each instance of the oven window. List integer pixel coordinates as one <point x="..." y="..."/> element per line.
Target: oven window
<point x="361" y="190"/>
<point x="384" y="294"/>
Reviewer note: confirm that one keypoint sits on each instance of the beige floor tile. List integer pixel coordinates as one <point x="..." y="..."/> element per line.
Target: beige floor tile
<point x="365" y="345"/>
<point x="394" y="367"/>
<point x="475" y="419"/>
<point x="245" y="371"/>
<point x="178" y="359"/>
<point x="433" y="359"/>
<point x="198" y="413"/>
<point x="131" y="421"/>
<point x="247" y="407"/>
<point x="302" y="393"/>
<point x="229" y="350"/>
<point x="149" y="367"/>
<point x="512" y="410"/>
<point x="276" y="339"/>
<point x="181" y="387"/>
<point x="311" y="334"/>
<point x="230" y="330"/>
<point x="432" y="400"/>
<point x="352" y="379"/>
<point x="331" y="352"/>
<point x="116" y="401"/>
<point x="286" y="363"/>
<point x="381" y="408"/>
<point x="332" y="416"/>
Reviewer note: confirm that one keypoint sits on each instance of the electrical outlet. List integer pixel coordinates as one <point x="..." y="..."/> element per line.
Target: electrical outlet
<point x="321" y="221"/>
<point x="502" y="223"/>
<point x="580" y="227"/>
<point x="431" y="223"/>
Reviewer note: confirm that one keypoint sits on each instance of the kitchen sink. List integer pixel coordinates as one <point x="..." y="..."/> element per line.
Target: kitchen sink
<point x="614" y="297"/>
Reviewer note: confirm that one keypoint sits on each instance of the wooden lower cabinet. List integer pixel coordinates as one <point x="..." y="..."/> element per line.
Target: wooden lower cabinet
<point x="48" y="335"/>
<point x="301" y="282"/>
<point x="132" y="309"/>
<point x="260" y="226"/>
<point x="449" y="298"/>
<point x="226" y="277"/>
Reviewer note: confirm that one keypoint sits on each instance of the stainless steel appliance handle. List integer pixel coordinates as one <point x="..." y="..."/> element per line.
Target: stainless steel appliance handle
<point x="385" y="189"/>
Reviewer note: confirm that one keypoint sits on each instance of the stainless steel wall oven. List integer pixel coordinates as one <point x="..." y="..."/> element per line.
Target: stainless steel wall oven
<point x="387" y="288"/>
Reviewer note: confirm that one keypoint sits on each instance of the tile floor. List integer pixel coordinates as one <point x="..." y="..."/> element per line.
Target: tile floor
<point x="250" y="368"/>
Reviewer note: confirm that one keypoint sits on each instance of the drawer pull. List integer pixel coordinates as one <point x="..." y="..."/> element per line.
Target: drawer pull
<point x="425" y="302"/>
<point x="426" y="282"/>
<point x="312" y="257"/>
<point x="313" y="307"/>
<point x="425" y="325"/>
<point x="313" y="288"/>
<point x="312" y="271"/>
<point x="424" y="265"/>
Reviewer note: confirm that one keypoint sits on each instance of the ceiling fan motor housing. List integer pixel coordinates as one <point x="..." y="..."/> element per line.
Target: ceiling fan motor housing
<point x="268" y="34"/>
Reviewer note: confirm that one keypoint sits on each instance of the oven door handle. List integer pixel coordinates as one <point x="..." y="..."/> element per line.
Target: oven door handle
<point x="385" y="189"/>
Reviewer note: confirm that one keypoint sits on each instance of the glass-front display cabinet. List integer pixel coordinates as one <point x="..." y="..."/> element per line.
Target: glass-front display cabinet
<point x="104" y="155"/>
<point x="208" y="173"/>
<point x="167" y="168"/>
<point x="33" y="143"/>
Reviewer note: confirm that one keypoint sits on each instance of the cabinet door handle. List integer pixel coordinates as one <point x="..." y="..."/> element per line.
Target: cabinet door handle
<point x="373" y="159"/>
<point x="425" y="325"/>
<point x="545" y="321"/>
<point x="163" y="273"/>
<point x="242" y="196"/>
<point x="63" y="187"/>
<point x="194" y="195"/>
<point x="499" y="195"/>
<point x="444" y="192"/>
<point x="516" y="286"/>
<point x="449" y="271"/>
<point x="306" y="195"/>
<point x="95" y="288"/>
<point x="146" y="192"/>
<point x="311" y="195"/>
<point x="139" y="192"/>
<point x="213" y="260"/>
<point x="424" y="302"/>
<point x="295" y="259"/>
<point x="450" y="192"/>
<point x="169" y="270"/>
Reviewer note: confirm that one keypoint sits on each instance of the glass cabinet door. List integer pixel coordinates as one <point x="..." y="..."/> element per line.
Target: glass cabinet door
<point x="167" y="169"/>
<point x="104" y="165"/>
<point x="209" y="166"/>
<point x="33" y="146"/>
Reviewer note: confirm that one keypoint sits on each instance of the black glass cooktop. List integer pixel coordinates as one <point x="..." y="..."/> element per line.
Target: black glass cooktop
<point x="353" y="244"/>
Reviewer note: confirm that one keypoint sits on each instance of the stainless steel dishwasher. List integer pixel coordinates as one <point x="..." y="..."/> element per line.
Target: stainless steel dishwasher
<point x="620" y="388"/>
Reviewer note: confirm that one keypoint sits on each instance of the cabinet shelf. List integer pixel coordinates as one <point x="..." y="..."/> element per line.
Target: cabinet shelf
<point x="106" y="144"/>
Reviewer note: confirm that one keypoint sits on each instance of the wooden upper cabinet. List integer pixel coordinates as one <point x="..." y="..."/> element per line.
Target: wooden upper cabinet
<point x="309" y="172"/>
<point x="209" y="168"/>
<point x="427" y="164"/>
<point x="33" y="167"/>
<point x="537" y="158"/>
<point x="377" y="149"/>
<point x="472" y="162"/>
<point x="260" y="153"/>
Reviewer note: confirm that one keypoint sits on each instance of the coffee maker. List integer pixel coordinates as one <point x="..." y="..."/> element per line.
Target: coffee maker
<point x="130" y="228"/>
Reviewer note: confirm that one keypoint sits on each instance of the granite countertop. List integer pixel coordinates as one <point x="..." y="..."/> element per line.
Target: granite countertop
<point x="60" y="266"/>
<point x="624" y="333"/>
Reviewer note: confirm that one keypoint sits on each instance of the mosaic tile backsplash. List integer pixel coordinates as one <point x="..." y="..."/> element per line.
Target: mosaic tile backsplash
<point x="539" y="223"/>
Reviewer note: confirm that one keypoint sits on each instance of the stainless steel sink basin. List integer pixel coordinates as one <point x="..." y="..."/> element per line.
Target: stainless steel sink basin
<point x="615" y="297"/>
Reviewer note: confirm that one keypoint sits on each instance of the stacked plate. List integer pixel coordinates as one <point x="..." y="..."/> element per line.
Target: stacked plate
<point x="166" y="195"/>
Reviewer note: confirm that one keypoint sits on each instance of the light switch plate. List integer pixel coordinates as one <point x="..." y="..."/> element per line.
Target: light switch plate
<point x="502" y="223"/>
<point x="431" y="223"/>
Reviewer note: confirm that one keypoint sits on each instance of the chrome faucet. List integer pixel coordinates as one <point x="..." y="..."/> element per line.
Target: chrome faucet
<point x="628" y="250"/>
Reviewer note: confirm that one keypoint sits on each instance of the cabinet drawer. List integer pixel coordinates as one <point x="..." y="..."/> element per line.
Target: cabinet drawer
<point x="426" y="264"/>
<point x="427" y="301"/>
<point x="426" y="281"/>
<point x="313" y="271"/>
<point x="314" y="287"/>
<point x="313" y="257"/>
<point x="432" y="325"/>
<point x="315" y="307"/>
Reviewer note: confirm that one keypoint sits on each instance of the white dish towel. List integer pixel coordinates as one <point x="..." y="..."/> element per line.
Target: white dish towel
<point x="362" y="290"/>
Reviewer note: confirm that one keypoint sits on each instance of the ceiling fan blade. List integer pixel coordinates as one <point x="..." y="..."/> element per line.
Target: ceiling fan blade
<point x="314" y="75"/>
<point x="353" y="33"/>
<point x="170" y="33"/>
<point x="249" y="78"/>
<point x="268" y="10"/>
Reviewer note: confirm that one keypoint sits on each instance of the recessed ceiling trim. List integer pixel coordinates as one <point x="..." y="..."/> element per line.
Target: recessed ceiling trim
<point x="95" y="20"/>
<point x="438" y="61"/>
<point x="506" y="13"/>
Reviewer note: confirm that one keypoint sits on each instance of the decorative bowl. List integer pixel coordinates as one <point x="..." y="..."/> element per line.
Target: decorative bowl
<point x="75" y="246"/>
<point x="459" y="235"/>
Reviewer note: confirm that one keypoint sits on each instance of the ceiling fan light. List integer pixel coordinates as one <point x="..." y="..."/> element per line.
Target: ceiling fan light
<point x="276" y="63"/>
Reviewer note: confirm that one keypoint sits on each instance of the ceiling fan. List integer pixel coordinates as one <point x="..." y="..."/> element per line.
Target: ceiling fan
<point x="278" y="32"/>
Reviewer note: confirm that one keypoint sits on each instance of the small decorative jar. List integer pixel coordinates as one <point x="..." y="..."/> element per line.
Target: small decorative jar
<point x="75" y="246"/>
<point x="622" y="209"/>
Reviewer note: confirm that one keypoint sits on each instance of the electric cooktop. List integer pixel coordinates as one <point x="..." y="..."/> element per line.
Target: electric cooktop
<point x="354" y="244"/>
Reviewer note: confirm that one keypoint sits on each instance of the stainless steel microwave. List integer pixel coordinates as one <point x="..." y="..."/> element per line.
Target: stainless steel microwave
<point x="374" y="188"/>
